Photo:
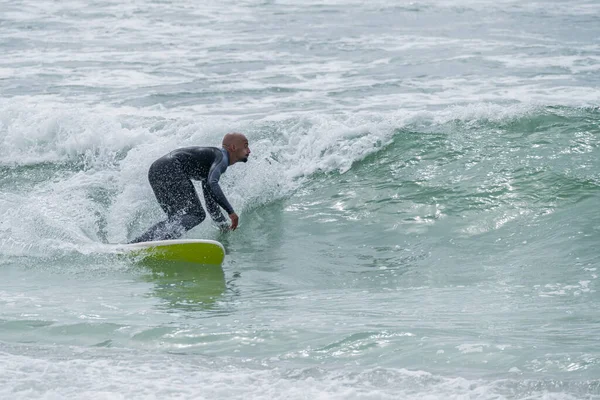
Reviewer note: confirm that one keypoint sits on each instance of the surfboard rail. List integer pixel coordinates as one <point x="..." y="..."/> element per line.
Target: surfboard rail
<point x="201" y="251"/>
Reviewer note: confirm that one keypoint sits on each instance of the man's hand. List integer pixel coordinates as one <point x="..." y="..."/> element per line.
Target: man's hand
<point x="234" y="221"/>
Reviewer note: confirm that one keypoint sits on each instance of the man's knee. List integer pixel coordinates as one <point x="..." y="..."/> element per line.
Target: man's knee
<point x="190" y="220"/>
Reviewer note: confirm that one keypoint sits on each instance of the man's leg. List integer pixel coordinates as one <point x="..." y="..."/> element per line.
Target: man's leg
<point x="178" y="199"/>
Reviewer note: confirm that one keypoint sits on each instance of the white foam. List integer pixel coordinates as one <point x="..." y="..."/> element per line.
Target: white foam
<point x="128" y="375"/>
<point x="35" y="130"/>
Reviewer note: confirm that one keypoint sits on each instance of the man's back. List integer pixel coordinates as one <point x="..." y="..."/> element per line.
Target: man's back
<point x="196" y="161"/>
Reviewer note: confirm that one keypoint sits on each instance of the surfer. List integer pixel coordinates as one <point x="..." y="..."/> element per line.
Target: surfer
<point x="171" y="179"/>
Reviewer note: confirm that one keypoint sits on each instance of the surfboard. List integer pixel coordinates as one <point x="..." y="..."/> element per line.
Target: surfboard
<point x="197" y="251"/>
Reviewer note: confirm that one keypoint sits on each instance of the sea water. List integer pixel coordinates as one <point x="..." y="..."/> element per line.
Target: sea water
<point x="419" y="217"/>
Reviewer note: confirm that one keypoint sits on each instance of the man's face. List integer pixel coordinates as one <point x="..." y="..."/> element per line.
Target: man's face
<point x="242" y="150"/>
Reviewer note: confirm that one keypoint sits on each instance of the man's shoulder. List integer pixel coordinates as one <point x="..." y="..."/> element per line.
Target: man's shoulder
<point x="199" y="150"/>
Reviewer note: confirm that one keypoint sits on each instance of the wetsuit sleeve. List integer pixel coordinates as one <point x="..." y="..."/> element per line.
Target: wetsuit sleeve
<point x="212" y="206"/>
<point x="212" y="184"/>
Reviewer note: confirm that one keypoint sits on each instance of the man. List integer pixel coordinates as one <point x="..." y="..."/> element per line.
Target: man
<point x="171" y="179"/>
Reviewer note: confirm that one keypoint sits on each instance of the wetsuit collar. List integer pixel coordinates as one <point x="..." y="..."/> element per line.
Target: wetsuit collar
<point x="226" y="155"/>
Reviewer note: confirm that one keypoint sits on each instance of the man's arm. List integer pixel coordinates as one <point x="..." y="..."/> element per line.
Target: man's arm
<point x="212" y="190"/>
<point x="212" y="206"/>
<point x="212" y="184"/>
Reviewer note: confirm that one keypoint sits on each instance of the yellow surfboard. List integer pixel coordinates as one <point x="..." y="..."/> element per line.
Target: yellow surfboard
<point x="182" y="250"/>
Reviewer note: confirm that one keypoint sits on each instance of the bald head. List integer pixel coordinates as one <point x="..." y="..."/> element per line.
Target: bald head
<point x="233" y="138"/>
<point x="236" y="145"/>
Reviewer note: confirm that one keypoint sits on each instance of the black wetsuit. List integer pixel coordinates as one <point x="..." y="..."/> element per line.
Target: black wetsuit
<point x="171" y="179"/>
